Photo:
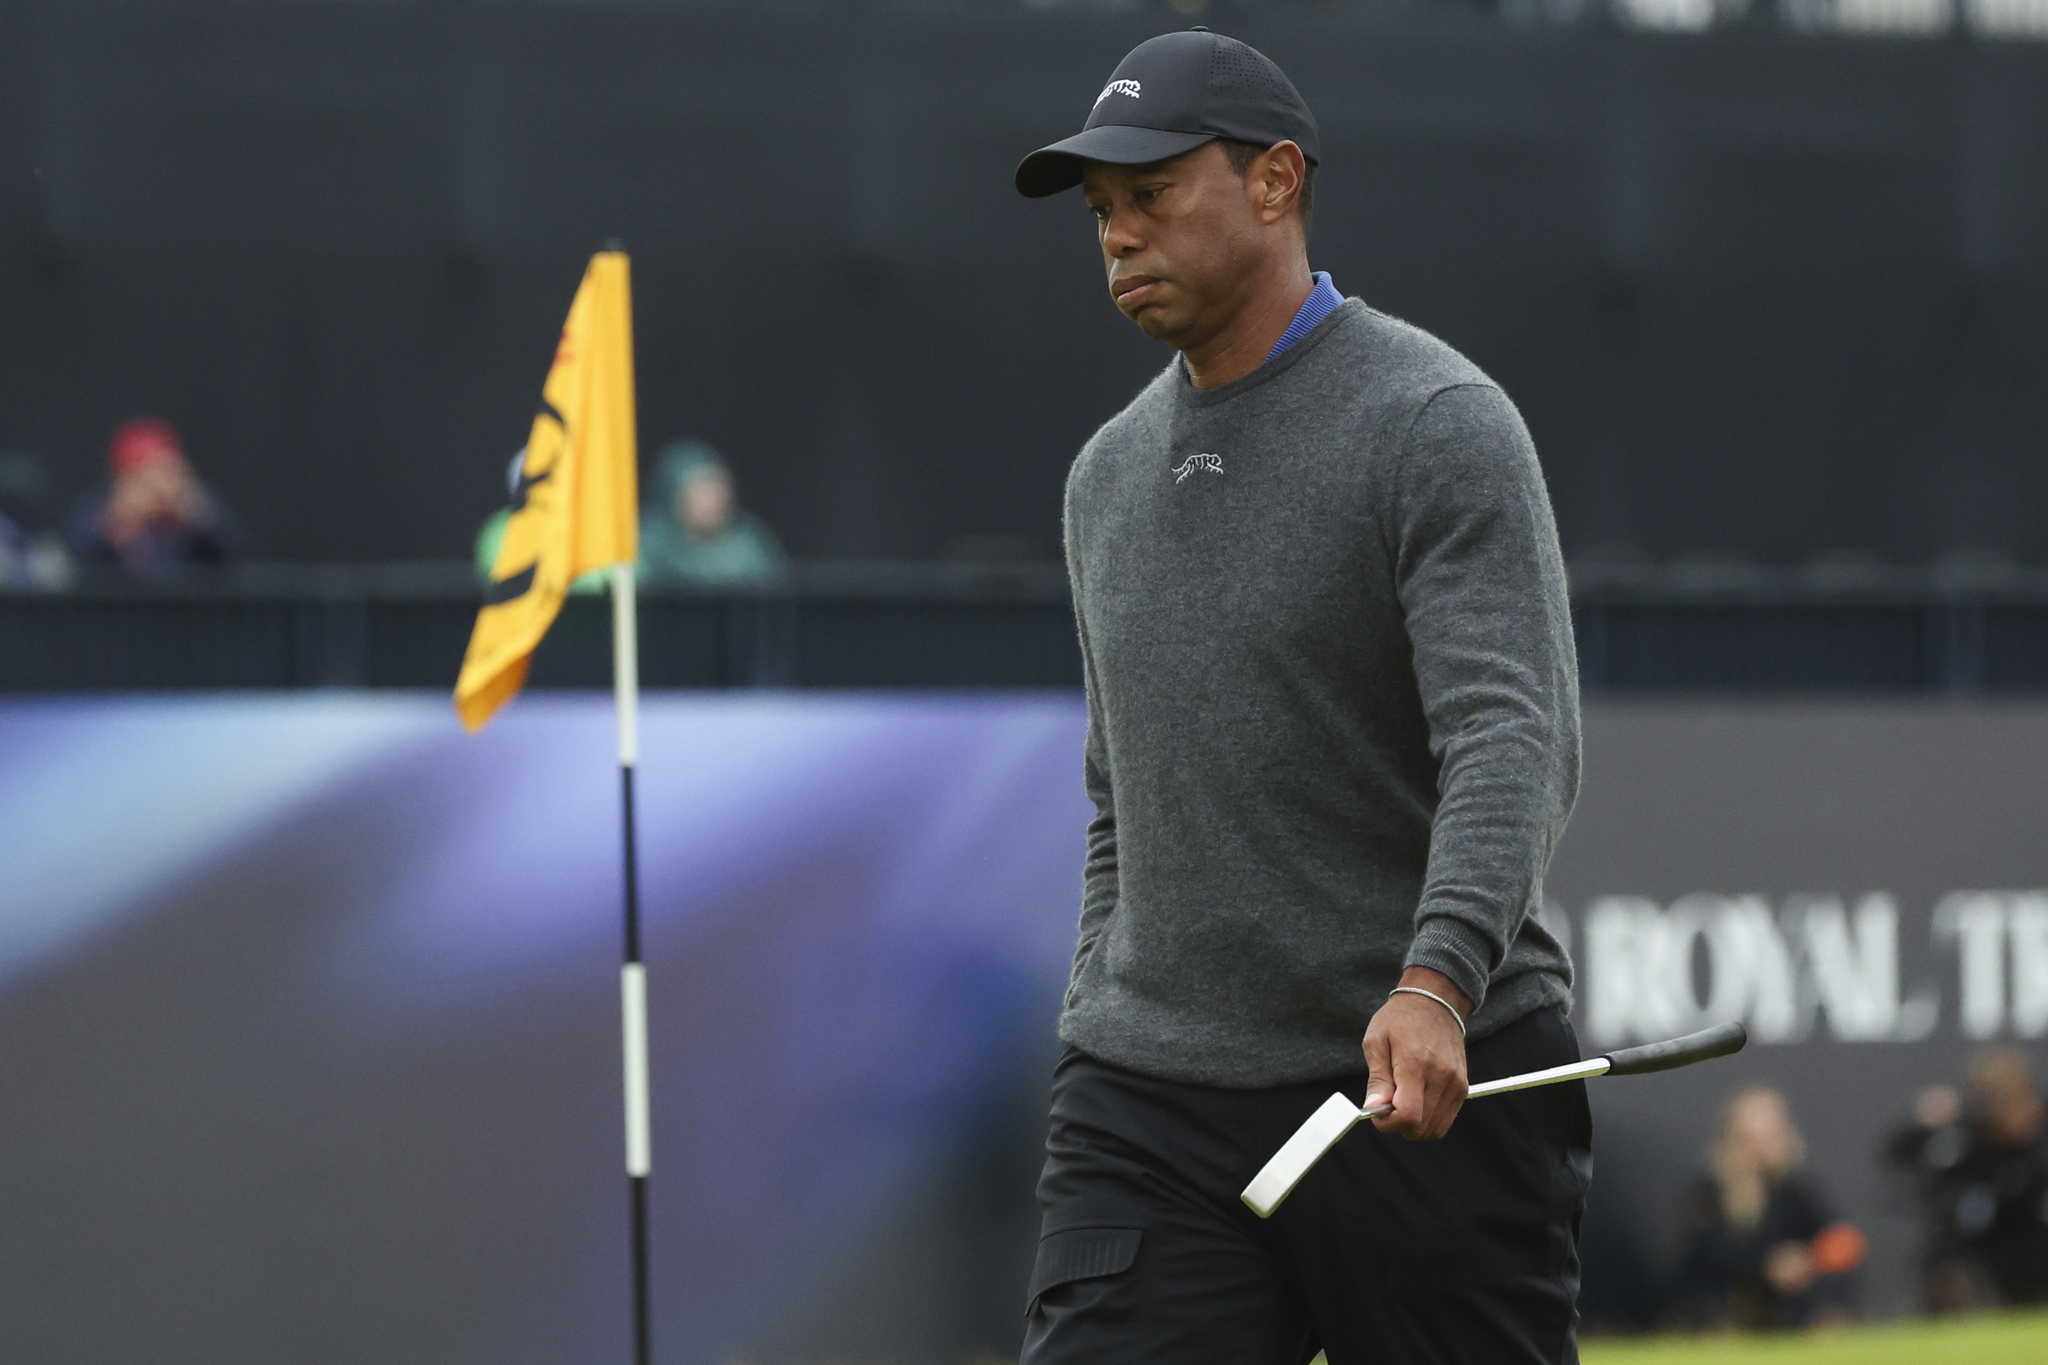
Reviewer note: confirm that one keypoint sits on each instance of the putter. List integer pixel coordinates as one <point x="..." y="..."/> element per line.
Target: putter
<point x="1277" y="1179"/>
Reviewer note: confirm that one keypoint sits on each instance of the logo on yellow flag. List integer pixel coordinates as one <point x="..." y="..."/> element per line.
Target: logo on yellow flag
<point x="575" y="507"/>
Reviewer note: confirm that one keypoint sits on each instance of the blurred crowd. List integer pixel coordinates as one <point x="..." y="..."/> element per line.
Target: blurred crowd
<point x="1978" y="1161"/>
<point x="1762" y="1249"/>
<point x="154" y="515"/>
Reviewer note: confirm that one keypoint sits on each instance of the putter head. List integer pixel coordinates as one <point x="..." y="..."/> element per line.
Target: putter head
<point x="1278" y="1177"/>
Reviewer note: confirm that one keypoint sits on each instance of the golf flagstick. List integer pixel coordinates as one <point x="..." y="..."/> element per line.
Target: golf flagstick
<point x="632" y="974"/>
<point x="575" y="511"/>
<point x="1277" y="1179"/>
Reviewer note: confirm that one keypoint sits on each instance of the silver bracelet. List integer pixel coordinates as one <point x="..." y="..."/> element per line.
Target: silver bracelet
<point x="1417" y="990"/>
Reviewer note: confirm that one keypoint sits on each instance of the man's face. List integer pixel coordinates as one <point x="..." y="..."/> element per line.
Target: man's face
<point x="161" y="491"/>
<point x="1176" y="237"/>
<point x="704" y="503"/>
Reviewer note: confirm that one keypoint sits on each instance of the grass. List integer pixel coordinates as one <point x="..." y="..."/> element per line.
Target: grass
<point x="2014" y="1339"/>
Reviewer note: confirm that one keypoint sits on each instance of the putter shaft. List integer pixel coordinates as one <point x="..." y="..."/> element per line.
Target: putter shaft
<point x="1576" y="1071"/>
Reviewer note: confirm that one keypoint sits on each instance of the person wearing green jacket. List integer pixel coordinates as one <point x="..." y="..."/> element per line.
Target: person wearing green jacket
<point x="693" y="533"/>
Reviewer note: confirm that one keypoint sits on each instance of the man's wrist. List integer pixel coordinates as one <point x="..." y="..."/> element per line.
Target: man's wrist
<point x="1441" y="986"/>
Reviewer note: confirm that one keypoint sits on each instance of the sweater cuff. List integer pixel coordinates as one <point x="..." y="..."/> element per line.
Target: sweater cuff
<point x="1456" y="949"/>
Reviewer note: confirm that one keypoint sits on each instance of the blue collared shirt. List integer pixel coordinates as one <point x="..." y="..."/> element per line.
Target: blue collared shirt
<point x="1322" y="301"/>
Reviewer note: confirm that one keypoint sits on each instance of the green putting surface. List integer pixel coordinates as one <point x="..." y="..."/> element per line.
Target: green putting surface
<point x="2013" y="1339"/>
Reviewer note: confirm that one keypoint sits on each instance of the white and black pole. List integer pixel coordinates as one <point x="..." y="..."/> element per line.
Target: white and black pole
<point x="632" y="974"/>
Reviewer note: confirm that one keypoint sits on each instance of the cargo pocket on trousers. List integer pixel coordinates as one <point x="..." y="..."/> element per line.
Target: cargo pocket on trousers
<point x="1074" y="1254"/>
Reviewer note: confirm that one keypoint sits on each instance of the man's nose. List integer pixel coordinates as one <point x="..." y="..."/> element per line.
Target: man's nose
<point x="1117" y="238"/>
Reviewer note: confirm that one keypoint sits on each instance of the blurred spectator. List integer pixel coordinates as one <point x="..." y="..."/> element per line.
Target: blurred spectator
<point x="693" y="531"/>
<point x="492" y="535"/>
<point x="32" y="555"/>
<point x="1982" y="1167"/>
<point x="156" y="513"/>
<point x="1760" y="1249"/>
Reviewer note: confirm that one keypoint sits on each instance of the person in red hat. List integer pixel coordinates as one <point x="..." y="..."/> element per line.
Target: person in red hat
<point x="155" y="512"/>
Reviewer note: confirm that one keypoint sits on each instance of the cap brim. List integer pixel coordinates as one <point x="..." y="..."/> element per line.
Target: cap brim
<point x="1058" y="167"/>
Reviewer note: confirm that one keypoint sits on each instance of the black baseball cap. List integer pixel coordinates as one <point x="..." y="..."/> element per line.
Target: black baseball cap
<point x="1170" y="95"/>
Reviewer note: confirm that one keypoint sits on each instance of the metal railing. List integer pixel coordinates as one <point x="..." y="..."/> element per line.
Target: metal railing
<point x="1961" y="628"/>
<point x="1956" y="630"/>
<point x="288" y="626"/>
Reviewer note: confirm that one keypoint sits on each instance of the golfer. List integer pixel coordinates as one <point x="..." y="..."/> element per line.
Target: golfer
<point x="1333" y="737"/>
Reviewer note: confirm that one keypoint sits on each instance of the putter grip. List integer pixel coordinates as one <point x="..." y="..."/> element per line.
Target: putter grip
<point x="1718" y="1041"/>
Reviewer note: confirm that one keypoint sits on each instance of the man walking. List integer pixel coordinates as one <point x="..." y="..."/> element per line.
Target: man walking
<point x="1333" y="738"/>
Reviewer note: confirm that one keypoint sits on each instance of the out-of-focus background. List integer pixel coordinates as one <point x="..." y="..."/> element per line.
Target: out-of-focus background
<point x="307" y="1015"/>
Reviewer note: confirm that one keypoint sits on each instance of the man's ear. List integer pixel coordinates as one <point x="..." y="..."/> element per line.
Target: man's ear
<point x="1276" y="180"/>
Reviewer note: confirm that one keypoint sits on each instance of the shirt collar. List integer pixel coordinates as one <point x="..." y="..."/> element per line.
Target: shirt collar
<point x="1322" y="301"/>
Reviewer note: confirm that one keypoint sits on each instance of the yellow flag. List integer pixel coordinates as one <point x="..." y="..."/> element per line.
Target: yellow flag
<point x="576" y="506"/>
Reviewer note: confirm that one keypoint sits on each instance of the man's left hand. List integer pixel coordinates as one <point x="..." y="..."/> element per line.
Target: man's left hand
<point x="1415" y="1052"/>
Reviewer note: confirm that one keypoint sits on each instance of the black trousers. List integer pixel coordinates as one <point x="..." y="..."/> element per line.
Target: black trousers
<point x="1390" y="1252"/>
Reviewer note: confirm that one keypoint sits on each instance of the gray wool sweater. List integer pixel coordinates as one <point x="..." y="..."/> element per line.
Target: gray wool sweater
<point x="1333" y="724"/>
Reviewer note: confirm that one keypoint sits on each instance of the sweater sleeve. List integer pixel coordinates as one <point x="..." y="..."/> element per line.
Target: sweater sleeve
<point x="1482" y="590"/>
<point x="1099" y="871"/>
